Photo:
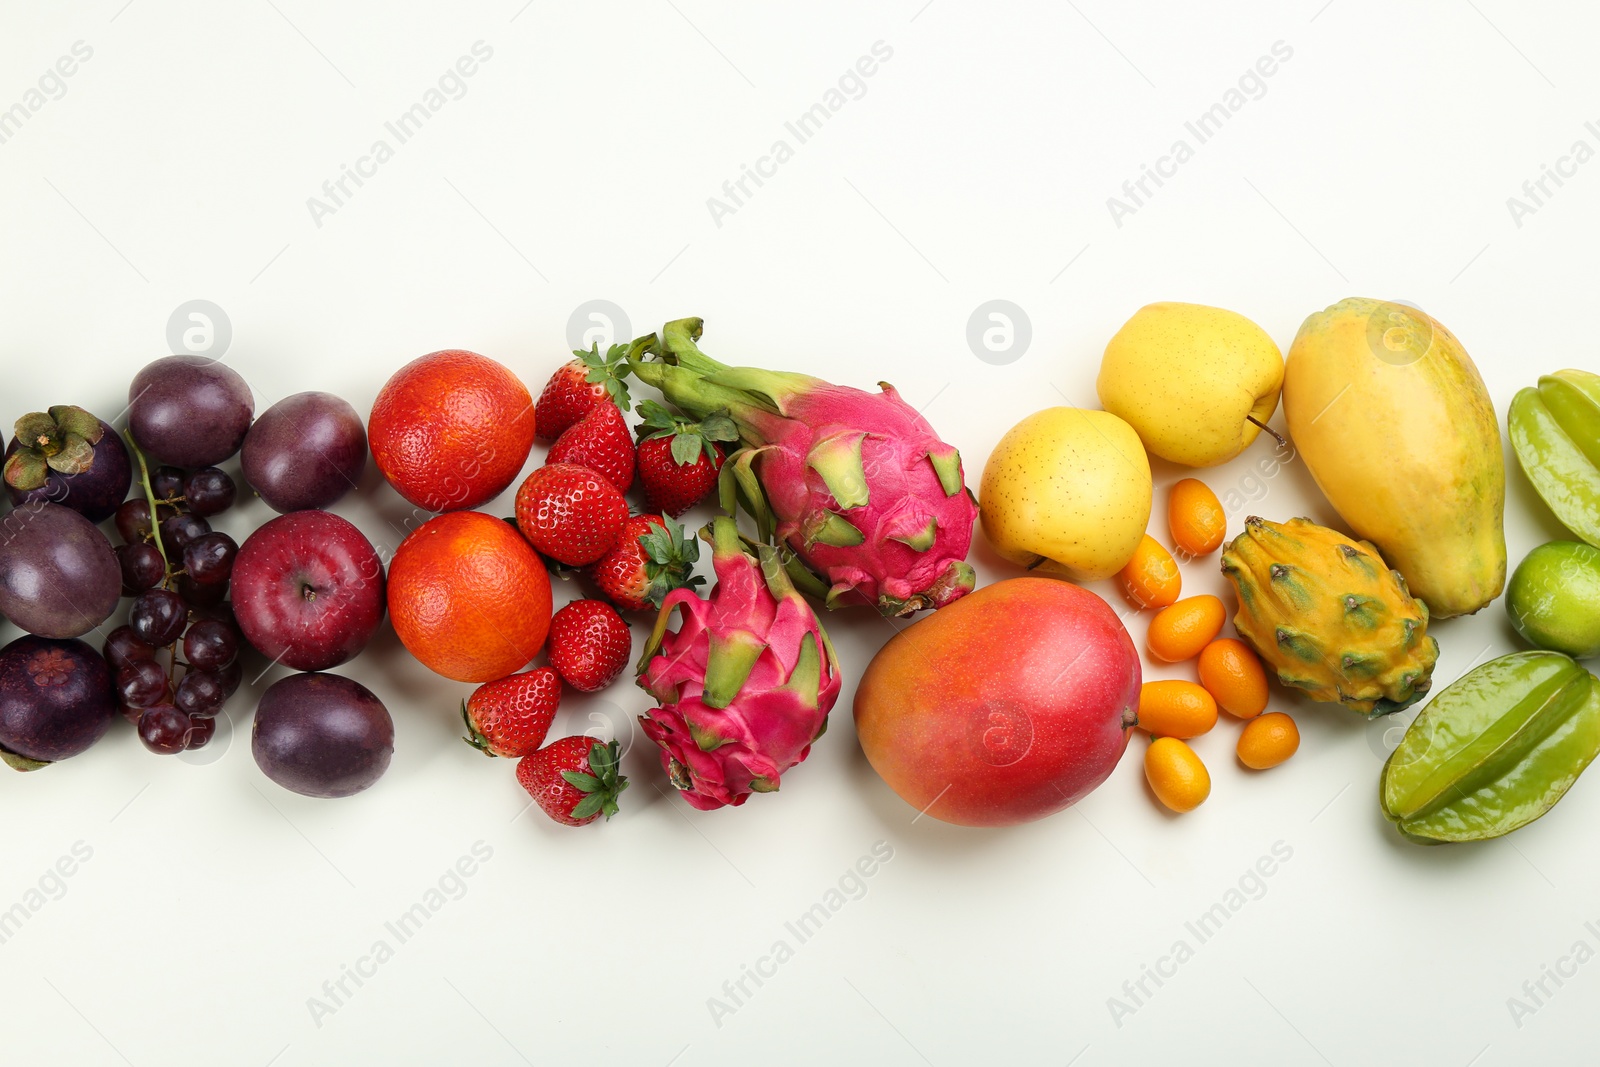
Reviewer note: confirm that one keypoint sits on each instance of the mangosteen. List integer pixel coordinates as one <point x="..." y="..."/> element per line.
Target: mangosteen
<point x="56" y="700"/>
<point x="67" y="456"/>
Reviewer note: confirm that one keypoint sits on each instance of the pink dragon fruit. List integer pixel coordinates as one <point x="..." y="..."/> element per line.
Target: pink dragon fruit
<point x="745" y="682"/>
<point x="856" y="483"/>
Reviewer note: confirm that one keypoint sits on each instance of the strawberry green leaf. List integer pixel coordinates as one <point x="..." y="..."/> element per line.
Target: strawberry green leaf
<point x="590" y="805"/>
<point x="686" y="449"/>
<point x="608" y="371"/>
<point x="586" y="783"/>
<point x="719" y="426"/>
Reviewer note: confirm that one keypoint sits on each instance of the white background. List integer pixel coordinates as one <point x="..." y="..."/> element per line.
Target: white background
<point x="177" y="166"/>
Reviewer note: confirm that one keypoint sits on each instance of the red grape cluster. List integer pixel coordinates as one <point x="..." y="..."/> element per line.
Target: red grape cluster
<point x="177" y="658"/>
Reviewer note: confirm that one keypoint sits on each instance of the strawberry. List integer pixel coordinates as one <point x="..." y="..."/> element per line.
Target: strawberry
<point x="578" y="386"/>
<point x="600" y="441"/>
<point x="678" y="458"/>
<point x="510" y="717"/>
<point x="574" y="779"/>
<point x="651" y="558"/>
<point x="589" y="644"/>
<point x="571" y="514"/>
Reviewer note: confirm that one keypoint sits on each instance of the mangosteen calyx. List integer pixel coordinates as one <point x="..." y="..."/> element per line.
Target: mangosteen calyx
<point x="61" y="440"/>
<point x="20" y="763"/>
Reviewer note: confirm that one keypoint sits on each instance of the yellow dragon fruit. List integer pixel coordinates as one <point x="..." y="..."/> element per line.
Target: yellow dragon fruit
<point x="745" y="682"/>
<point x="1330" y="616"/>
<point x="856" y="483"/>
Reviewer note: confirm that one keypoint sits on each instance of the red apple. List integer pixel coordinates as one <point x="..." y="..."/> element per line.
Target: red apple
<point x="308" y="590"/>
<point x="1002" y="707"/>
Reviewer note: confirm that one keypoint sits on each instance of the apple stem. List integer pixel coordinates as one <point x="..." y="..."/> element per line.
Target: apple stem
<point x="1275" y="434"/>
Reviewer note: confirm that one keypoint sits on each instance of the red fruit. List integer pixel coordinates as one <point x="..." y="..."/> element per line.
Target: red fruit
<point x="570" y="513"/>
<point x="678" y="458"/>
<point x="589" y="644"/>
<point x="1001" y="707"/>
<point x="451" y="430"/>
<point x="580" y="384"/>
<point x="651" y="558"/>
<point x="600" y="441"/>
<point x="510" y="717"/>
<point x="574" y="779"/>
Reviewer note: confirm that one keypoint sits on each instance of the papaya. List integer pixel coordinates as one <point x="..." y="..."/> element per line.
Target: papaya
<point x="1394" y="423"/>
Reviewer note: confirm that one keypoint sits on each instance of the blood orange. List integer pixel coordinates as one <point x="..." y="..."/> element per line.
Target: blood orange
<point x="469" y="597"/>
<point x="451" y="429"/>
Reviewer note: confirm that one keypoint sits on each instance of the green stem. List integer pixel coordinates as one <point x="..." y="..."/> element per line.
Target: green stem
<point x="150" y="499"/>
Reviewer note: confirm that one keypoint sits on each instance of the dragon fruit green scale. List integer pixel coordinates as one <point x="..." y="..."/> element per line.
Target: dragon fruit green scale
<point x="857" y="484"/>
<point x="745" y="683"/>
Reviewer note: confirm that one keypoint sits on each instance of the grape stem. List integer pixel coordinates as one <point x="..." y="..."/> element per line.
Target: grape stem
<point x="150" y="499"/>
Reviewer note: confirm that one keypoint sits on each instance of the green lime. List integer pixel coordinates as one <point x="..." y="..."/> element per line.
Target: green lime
<point x="1553" y="598"/>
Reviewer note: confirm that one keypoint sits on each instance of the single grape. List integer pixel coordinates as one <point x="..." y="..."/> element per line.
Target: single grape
<point x="142" y="567"/>
<point x="209" y="558"/>
<point x="189" y="411"/>
<point x="200" y="694"/>
<point x="209" y="491"/>
<point x="199" y="596"/>
<point x="123" y="647"/>
<point x="232" y="675"/>
<point x="164" y="729"/>
<point x="142" y="684"/>
<point x="200" y="731"/>
<point x="182" y="528"/>
<point x="158" y="617"/>
<point x="132" y="518"/>
<point x="166" y="483"/>
<point x="210" y="645"/>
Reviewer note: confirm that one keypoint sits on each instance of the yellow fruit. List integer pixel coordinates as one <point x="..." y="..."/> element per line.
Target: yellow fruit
<point x="1176" y="775"/>
<point x="1188" y="377"/>
<point x="1268" y="740"/>
<point x="1151" y="579"/>
<point x="1233" y="675"/>
<point x="1329" y="616"/>
<point x="1067" y="491"/>
<point x="1175" y="708"/>
<point x="1196" y="518"/>
<point x="1396" y="427"/>
<point x="1181" y="631"/>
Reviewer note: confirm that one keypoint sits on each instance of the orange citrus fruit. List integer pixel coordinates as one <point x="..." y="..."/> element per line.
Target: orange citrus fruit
<point x="1151" y="578"/>
<point x="1180" y="631"/>
<point x="1174" y="708"/>
<point x="1196" y="518"/>
<point x="451" y="430"/>
<point x="1176" y="775"/>
<point x="1268" y="740"/>
<point x="469" y="597"/>
<point x="1232" y="673"/>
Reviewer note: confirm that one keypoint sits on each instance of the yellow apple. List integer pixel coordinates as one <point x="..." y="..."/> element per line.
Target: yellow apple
<point x="1067" y="491"/>
<point x="1189" y="378"/>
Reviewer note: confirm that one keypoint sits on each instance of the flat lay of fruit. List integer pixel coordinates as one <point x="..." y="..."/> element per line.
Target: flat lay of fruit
<point x="734" y="514"/>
